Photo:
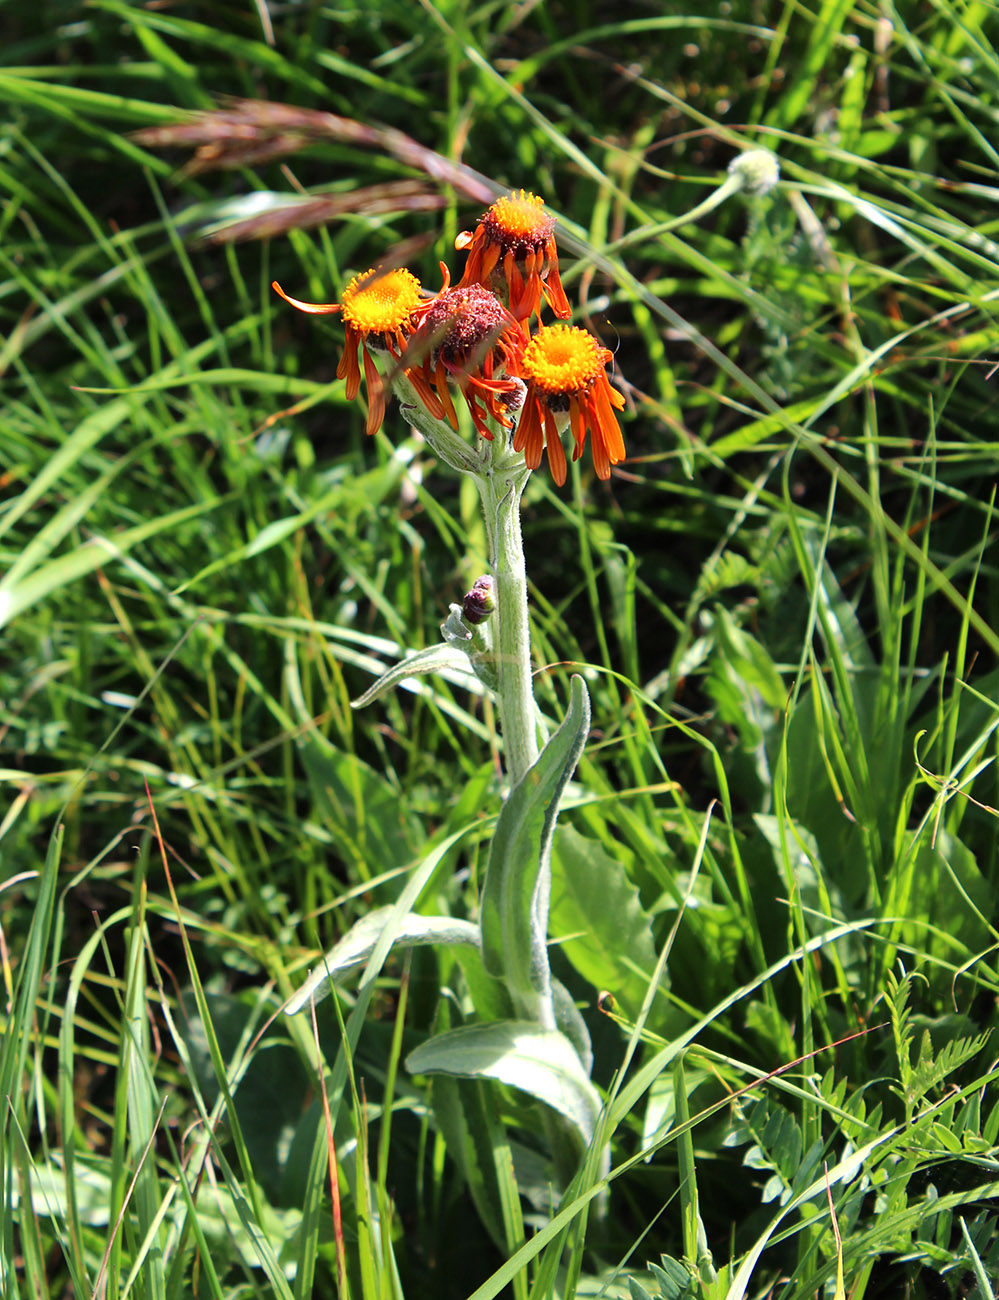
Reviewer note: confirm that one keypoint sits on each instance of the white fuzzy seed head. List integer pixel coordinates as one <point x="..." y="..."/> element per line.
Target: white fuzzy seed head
<point x="758" y="169"/>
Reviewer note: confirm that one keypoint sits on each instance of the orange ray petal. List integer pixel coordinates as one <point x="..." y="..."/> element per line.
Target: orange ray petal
<point x="315" y="308"/>
<point x="555" y="294"/>
<point x="348" y="368"/>
<point x="556" y="452"/>
<point x="529" y="438"/>
<point x="607" y="422"/>
<point x="376" y="394"/>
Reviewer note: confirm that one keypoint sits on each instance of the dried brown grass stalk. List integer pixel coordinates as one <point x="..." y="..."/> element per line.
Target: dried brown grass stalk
<point x="306" y="213"/>
<point x="249" y="131"/>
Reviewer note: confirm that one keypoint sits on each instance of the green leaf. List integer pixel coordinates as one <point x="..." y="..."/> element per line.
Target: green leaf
<point x="235" y="1235"/>
<point x="593" y="904"/>
<point x="432" y="659"/>
<point x="489" y="996"/>
<point x="812" y="801"/>
<point x="570" y="1022"/>
<point x="400" y="916"/>
<point x="517" y="889"/>
<point x="352" y="952"/>
<point x="48" y="1193"/>
<point x="777" y="1146"/>
<point x="749" y="692"/>
<point x="798" y="862"/>
<point x="985" y="1288"/>
<point x="540" y="1062"/>
<point x="465" y="1110"/>
<point x="932" y="1069"/>
<point x="948" y="890"/>
<point x="674" y="1278"/>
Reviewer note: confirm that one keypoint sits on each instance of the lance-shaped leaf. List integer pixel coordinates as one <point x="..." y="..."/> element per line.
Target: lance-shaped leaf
<point x="433" y="659"/>
<point x="357" y="945"/>
<point x="515" y="897"/>
<point x="540" y="1062"/>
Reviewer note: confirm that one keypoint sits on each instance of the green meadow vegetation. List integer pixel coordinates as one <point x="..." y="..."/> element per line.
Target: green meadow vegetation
<point x="774" y="876"/>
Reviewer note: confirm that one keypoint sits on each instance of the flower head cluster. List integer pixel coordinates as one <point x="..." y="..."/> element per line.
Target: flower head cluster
<point x="379" y="310"/>
<point x="564" y="369"/>
<point x="513" y="249"/>
<point x="467" y="337"/>
<point x="475" y="338"/>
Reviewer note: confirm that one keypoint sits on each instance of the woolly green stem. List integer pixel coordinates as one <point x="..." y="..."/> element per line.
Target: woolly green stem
<point x="500" y="476"/>
<point x="500" y="490"/>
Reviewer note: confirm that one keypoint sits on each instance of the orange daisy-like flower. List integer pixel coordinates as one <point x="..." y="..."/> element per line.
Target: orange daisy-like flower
<point x="468" y="337"/>
<point x="378" y="314"/>
<point x="563" y="368"/>
<point x="513" y="248"/>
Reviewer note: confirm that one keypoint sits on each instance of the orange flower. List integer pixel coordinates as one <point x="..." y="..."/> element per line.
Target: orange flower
<point x="467" y="336"/>
<point x="563" y="368"/>
<point x="377" y="312"/>
<point x="514" y="245"/>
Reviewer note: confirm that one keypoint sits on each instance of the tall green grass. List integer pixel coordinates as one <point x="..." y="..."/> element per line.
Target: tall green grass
<point x="775" y="885"/>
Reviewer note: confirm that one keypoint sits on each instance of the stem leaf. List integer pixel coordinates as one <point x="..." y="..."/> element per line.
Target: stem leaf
<point x="540" y="1062"/>
<point x="357" y="945"/>
<point x="518" y="875"/>
<point x="433" y="659"/>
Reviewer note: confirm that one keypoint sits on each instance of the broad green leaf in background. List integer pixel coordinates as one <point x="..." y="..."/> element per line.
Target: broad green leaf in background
<point x="598" y="921"/>
<point x="661" y="1105"/>
<point x="465" y="1111"/>
<point x="749" y="693"/>
<point x="813" y="804"/>
<point x="234" y="1237"/>
<point x="799" y="864"/>
<point x="49" y="1195"/>
<point x="947" y="886"/>
<point x="569" y="1021"/>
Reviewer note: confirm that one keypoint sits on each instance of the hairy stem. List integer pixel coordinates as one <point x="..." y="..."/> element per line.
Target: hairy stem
<point x="501" y="490"/>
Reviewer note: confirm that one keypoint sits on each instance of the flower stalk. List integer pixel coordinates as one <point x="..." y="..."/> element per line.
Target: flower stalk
<point x="500" y="476"/>
<point x="500" y="491"/>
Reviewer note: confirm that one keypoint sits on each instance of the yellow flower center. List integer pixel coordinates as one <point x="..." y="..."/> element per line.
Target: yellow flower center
<point x="379" y="301"/>
<point x="519" y="221"/>
<point x="561" y="360"/>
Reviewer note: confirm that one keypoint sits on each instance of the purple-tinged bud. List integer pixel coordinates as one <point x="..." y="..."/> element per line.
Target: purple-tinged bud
<point x="480" y="602"/>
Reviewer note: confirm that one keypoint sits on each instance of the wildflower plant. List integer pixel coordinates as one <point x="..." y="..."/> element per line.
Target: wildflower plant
<point x="525" y="383"/>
